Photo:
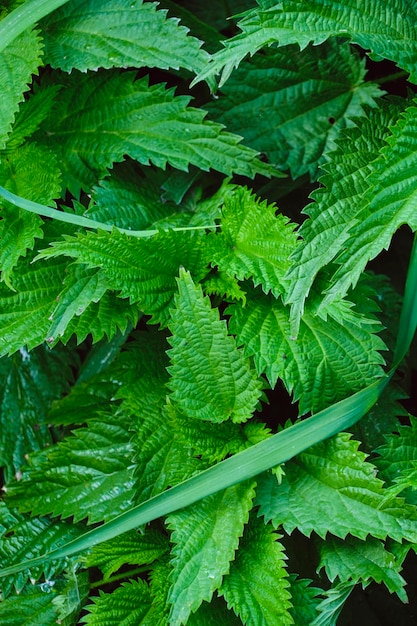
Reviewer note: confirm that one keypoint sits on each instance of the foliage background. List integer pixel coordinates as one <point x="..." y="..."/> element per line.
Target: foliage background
<point x="214" y="271"/>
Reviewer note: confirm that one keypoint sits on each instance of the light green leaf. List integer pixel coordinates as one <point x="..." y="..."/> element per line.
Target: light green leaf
<point x="331" y="488"/>
<point x="314" y="21"/>
<point x="24" y="312"/>
<point x="205" y="537"/>
<point x="336" y="203"/>
<point x="29" y="382"/>
<point x="18" y="62"/>
<point x="87" y="475"/>
<point x="291" y="105"/>
<point x="331" y="606"/>
<point x="129" y="605"/>
<point x="210" y="378"/>
<point x="143" y="270"/>
<point x="389" y="203"/>
<point x="89" y="34"/>
<point x="328" y="360"/>
<point x="254" y="242"/>
<point x="102" y="117"/>
<point x="132" y="548"/>
<point x="361" y="561"/>
<point x="257" y="584"/>
<point x="82" y="286"/>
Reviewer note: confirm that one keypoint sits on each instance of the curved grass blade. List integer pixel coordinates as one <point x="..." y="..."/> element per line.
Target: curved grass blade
<point x="23" y="17"/>
<point x="260" y="457"/>
<point x="79" y="220"/>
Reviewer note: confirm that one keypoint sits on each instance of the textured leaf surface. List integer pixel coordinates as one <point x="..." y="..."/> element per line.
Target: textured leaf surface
<point x="362" y="561"/>
<point x="89" y="34"/>
<point x="257" y="584"/>
<point x="331" y="606"/>
<point x="25" y="538"/>
<point x="304" y="600"/>
<point x="389" y="203"/>
<point x="129" y="605"/>
<point x="24" y="312"/>
<point x="32" y="608"/>
<point x="291" y="105"/>
<point x="254" y="242"/>
<point x="314" y="21"/>
<point x="214" y="613"/>
<point x="131" y="548"/>
<point x="329" y="359"/>
<point x="205" y="537"/>
<point x="143" y="270"/>
<point x="332" y="488"/>
<point x="29" y="383"/>
<point x="100" y="118"/>
<point x="210" y="378"/>
<point x="18" y="62"/>
<point x="337" y="203"/>
<point x="398" y="460"/>
<point x="87" y="475"/>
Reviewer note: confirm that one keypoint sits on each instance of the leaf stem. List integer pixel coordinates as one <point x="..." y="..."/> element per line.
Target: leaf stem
<point x="117" y="577"/>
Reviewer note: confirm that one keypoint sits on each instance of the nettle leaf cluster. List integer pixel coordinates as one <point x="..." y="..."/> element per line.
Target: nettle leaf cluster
<point x="189" y="209"/>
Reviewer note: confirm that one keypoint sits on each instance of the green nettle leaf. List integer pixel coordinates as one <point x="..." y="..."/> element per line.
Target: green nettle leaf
<point x="214" y="613"/>
<point x="87" y="475"/>
<point x="29" y="384"/>
<point x="33" y="607"/>
<point x="129" y="605"/>
<point x="131" y="548"/>
<point x="24" y="538"/>
<point x="336" y="203"/>
<point x="361" y="561"/>
<point x="300" y="101"/>
<point x="210" y="377"/>
<point x="143" y="270"/>
<point x="389" y="203"/>
<point x="331" y="606"/>
<point x="304" y="600"/>
<point x="397" y="460"/>
<point x="24" y="311"/>
<point x="257" y="586"/>
<point x="331" y="488"/>
<point x="102" y="117"/>
<point x="329" y="359"/>
<point x="314" y="21"/>
<point x="89" y="34"/>
<point x="254" y="242"/>
<point x="18" y="62"/>
<point x="206" y="537"/>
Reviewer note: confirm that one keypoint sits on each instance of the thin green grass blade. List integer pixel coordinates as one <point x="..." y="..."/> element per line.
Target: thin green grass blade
<point x="79" y="220"/>
<point x="260" y="457"/>
<point x="23" y="17"/>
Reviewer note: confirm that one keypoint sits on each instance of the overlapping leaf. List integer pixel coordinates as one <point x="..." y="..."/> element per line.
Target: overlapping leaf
<point x="331" y="488"/>
<point x="254" y="242"/>
<point x="336" y="204"/>
<point x="206" y="537"/>
<point x="21" y="537"/>
<point x="327" y="361"/>
<point x="304" y="600"/>
<point x="210" y="377"/>
<point x="143" y="270"/>
<point x="129" y="605"/>
<point x="299" y="101"/>
<point x="100" y="118"/>
<point x="362" y="561"/>
<point x="314" y="21"/>
<point x="18" y="62"/>
<point x="89" y="34"/>
<point x="257" y="584"/>
<point x="389" y="203"/>
<point x="87" y="475"/>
